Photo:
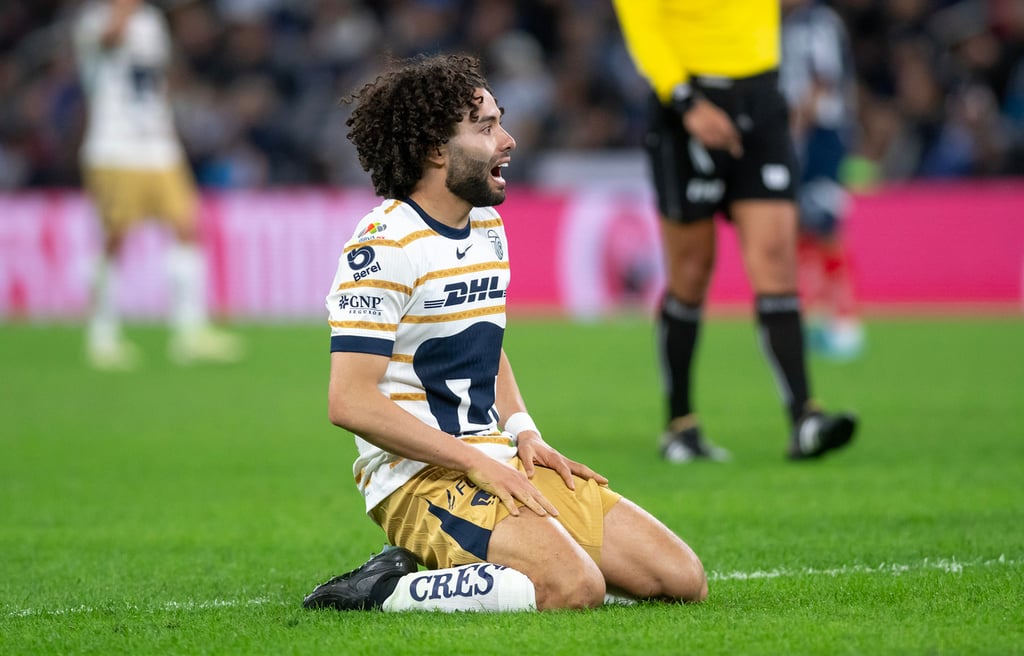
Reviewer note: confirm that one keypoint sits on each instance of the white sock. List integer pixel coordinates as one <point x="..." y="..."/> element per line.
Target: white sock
<point x="476" y="587"/>
<point x="104" y="320"/>
<point x="187" y="271"/>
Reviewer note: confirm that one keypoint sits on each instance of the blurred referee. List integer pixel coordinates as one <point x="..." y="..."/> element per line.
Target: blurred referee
<point x="719" y="141"/>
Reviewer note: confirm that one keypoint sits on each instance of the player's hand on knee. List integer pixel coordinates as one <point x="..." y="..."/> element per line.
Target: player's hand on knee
<point x="510" y="486"/>
<point x="533" y="450"/>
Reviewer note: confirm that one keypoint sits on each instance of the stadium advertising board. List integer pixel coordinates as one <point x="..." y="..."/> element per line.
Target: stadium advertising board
<point x="584" y="252"/>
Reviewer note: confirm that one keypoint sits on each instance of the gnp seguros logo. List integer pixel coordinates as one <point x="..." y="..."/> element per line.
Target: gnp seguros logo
<point x="360" y="304"/>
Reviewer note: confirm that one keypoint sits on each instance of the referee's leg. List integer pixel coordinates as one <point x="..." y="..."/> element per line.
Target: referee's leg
<point x="768" y="240"/>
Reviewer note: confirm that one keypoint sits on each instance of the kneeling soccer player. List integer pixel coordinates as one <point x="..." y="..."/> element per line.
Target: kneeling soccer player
<point x="451" y="465"/>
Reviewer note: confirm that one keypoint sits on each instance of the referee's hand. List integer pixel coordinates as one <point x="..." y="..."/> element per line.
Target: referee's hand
<point x="713" y="127"/>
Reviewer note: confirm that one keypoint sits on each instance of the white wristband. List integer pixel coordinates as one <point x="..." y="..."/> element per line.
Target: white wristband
<point x="519" y="422"/>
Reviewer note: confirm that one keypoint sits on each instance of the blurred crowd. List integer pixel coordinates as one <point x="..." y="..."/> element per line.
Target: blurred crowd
<point x="257" y="83"/>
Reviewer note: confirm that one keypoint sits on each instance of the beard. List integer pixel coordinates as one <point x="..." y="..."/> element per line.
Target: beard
<point x="470" y="180"/>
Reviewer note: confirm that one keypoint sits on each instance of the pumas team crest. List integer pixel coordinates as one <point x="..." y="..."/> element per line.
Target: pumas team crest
<point x="499" y="248"/>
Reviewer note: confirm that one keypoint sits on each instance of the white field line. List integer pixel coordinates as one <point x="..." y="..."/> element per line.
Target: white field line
<point x="945" y="565"/>
<point x="166" y="606"/>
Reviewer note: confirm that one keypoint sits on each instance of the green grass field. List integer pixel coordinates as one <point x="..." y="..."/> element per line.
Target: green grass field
<point x="187" y="511"/>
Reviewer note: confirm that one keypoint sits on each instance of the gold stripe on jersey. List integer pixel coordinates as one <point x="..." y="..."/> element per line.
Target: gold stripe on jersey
<point x="488" y="439"/>
<point x="458" y="271"/>
<point x="488" y="223"/>
<point x="359" y="476"/>
<point x="388" y="243"/>
<point x="364" y="325"/>
<point x="380" y="284"/>
<point x="401" y="357"/>
<point x="408" y="396"/>
<point x="392" y="243"/>
<point x="413" y="236"/>
<point x="454" y="316"/>
<point x="392" y="206"/>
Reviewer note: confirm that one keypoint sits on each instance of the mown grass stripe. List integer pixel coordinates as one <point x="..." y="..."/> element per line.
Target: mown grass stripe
<point x="950" y="565"/>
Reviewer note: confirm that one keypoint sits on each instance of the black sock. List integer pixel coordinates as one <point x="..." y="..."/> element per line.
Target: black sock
<point x="678" y="328"/>
<point x="781" y="331"/>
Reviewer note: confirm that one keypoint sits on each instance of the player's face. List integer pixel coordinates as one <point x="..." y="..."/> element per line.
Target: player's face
<point x="477" y="153"/>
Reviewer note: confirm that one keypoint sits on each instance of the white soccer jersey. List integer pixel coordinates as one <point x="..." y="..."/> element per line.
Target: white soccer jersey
<point x="432" y="299"/>
<point x="130" y="123"/>
<point x="815" y="47"/>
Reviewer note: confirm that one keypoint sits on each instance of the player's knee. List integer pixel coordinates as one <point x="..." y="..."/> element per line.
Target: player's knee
<point x="777" y="250"/>
<point x="689" y="279"/>
<point x="680" y="580"/>
<point x="572" y="588"/>
<point x="694" y="268"/>
<point x="689" y="582"/>
<point x="694" y="587"/>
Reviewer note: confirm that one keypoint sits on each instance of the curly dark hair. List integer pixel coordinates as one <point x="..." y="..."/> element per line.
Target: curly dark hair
<point x="407" y="112"/>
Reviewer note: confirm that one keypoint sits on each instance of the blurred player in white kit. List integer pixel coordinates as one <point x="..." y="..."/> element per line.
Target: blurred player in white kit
<point x="134" y="168"/>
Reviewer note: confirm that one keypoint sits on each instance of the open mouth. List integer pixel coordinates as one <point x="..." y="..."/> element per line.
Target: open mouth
<point x="496" y="172"/>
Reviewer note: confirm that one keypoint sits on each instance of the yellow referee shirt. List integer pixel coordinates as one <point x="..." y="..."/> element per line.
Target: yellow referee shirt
<point x="672" y="40"/>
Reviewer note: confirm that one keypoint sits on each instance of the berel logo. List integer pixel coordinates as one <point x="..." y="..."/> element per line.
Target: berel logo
<point x="360" y="261"/>
<point x="359" y="275"/>
<point x="361" y="257"/>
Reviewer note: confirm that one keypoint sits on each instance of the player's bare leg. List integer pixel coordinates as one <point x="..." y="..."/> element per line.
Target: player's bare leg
<point x="643" y="559"/>
<point x="768" y="239"/>
<point x="563" y="575"/>
<point x="193" y="338"/>
<point x="689" y="251"/>
<point x="767" y="232"/>
<point x="106" y="347"/>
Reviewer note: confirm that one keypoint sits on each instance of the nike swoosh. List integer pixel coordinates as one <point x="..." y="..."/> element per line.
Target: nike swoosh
<point x="461" y="254"/>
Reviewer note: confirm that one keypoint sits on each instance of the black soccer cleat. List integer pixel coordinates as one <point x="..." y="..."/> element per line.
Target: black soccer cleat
<point x="688" y="445"/>
<point x="355" y="590"/>
<point x="817" y="433"/>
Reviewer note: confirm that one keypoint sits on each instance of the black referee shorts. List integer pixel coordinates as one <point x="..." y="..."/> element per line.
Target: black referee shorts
<point x="692" y="182"/>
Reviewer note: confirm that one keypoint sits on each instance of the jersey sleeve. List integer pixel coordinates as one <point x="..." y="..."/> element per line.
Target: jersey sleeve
<point x="370" y="294"/>
<point x="645" y="37"/>
<point x="827" y="42"/>
<point x="85" y="33"/>
<point x="164" y="38"/>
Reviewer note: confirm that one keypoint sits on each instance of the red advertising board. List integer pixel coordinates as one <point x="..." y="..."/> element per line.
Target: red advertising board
<point x="583" y="252"/>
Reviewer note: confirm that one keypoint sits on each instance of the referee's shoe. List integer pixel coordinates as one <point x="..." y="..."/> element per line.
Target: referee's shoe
<point x="689" y="444"/>
<point x="817" y="433"/>
<point x="367" y="586"/>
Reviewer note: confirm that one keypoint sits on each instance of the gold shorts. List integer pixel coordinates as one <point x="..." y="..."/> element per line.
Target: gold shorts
<point x="445" y="520"/>
<point x="126" y="196"/>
